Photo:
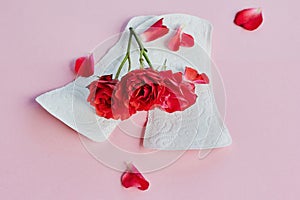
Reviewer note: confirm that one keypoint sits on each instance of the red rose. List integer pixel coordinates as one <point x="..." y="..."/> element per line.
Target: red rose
<point x="101" y="95"/>
<point x="141" y="90"/>
<point x="138" y="90"/>
<point x="178" y="94"/>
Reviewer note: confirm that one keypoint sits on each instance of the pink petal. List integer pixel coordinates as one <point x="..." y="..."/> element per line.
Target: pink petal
<point x="84" y="66"/>
<point x="133" y="178"/>
<point x="155" y="31"/>
<point x="249" y="19"/>
<point x="187" y="40"/>
<point x="174" y="42"/>
<point x="193" y="76"/>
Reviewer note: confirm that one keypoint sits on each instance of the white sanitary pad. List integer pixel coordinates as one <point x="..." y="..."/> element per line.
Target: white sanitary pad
<point x="198" y="127"/>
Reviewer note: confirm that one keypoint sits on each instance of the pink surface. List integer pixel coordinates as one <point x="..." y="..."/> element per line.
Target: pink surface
<point x="43" y="159"/>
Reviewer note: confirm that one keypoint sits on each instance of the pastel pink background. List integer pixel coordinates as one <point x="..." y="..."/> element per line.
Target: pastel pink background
<point x="43" y="159"/>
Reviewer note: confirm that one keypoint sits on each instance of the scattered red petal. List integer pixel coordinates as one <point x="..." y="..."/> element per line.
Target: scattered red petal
<point x="192" y="75"/>
<point x="187" y="40"/>
<point x="133" y="178"/>
<point x="174" y="42"/>
<point x="155" y="31"/>
<point x="84" y="66"/>
<point x="159" y="23"/>
<point x="249" y="19"/>
<point x="202" y="79"/>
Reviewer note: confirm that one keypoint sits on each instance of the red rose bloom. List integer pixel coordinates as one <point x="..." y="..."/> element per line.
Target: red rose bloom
<point x="178" y="94"/>
<point x="138" y="90"/>
<point x="101" y="95"/>
<point x="141" y="90"/>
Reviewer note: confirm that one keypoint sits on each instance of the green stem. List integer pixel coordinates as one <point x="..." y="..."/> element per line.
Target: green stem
<point x="143" y="51"/>
<point x="147" y="59"/>
<point x="143" y="54"/>
<point x="128" y="51"/>
<point x="141" y="60"/>
<point x="121" y="66"/>
<point x="127" y="57"/>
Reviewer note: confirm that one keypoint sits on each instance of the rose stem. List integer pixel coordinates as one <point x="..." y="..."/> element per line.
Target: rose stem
<point x="143" y="51"/>
<point x="128" y="51"/>
<point x="127" y="57"/>
<point x="141" y="60"/>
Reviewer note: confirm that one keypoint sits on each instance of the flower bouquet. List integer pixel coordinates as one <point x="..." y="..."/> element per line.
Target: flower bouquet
<point x="143" y="89"/>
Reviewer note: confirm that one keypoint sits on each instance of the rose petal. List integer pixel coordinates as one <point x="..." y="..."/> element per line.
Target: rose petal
<point x="133" y="178"/>
<point x="190" y="73"/>
<point x="202" y="79"/>
<point x="155" y="31"/>
<point x="186" y="40"/>
<point x="84" y="66"/>
<point x="100" y="96"/>
<point x="193" y="76"/>
<point x="249" y="19"/>
<point x="174" y="42"/>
